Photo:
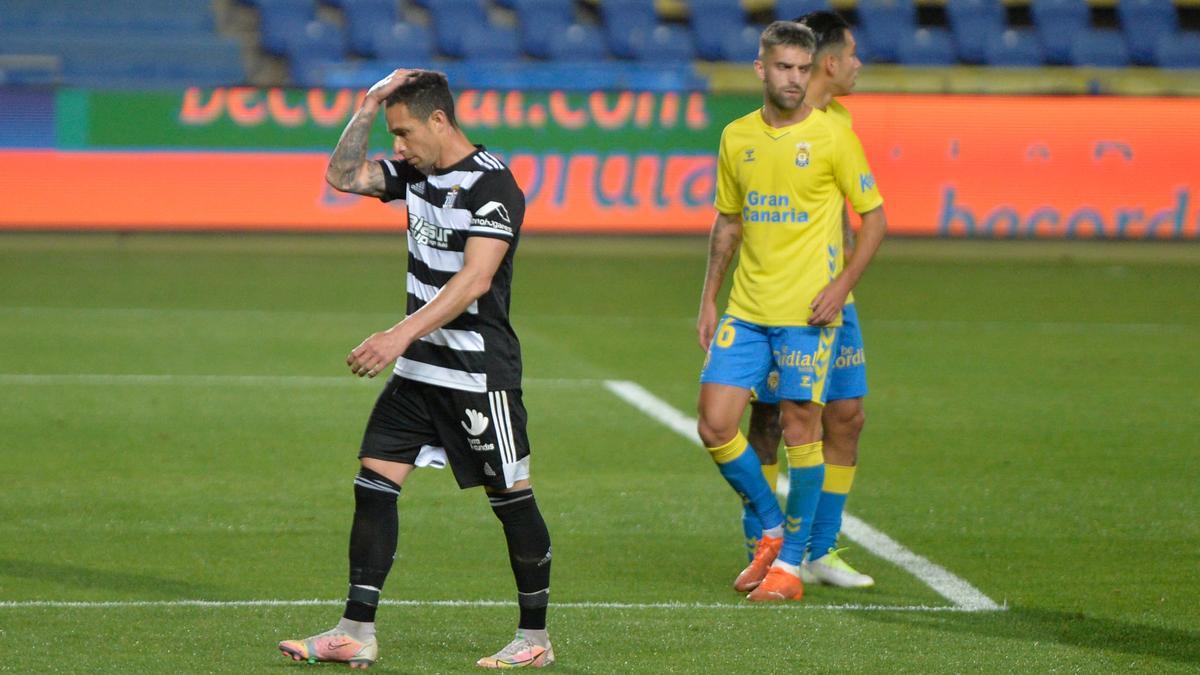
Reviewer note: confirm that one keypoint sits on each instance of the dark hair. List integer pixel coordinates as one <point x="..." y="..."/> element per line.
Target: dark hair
<point x="424" y="92"/>
<point x="787" y="33"/>
<point x="829" y="27"/>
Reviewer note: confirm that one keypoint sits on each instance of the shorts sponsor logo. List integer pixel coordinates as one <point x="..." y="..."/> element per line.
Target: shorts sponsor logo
<point x="476" y="423"/>
<point x="850" y="357"/>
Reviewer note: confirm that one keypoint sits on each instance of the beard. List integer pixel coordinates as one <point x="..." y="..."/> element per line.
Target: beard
<point x="781" y="101"/>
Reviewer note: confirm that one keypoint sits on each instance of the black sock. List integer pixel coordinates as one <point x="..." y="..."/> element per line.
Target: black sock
<point x="372" y="542"/>
<point x="528" y="551"/>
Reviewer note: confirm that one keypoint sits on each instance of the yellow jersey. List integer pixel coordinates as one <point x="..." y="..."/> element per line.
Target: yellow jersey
<point x="789" y="185"/>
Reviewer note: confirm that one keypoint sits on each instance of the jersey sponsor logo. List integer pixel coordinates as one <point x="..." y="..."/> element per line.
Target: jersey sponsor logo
<point x="771" y="208"/>
<point x="476" y="423"/>
<point x="491" y="224"/>
<point x="426" y="233"/>
<point x="803" y="154"/>
<point x="866" y="182"/>
<point x="494" y="207"/>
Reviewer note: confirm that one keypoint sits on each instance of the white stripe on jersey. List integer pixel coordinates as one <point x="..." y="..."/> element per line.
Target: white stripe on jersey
<point x="488" y="162"/>
<point x="442" y="377"/>
<point x="426" y="293"/>
<point x="463" y="179"/>
<point x="494" y="160"/>
<point x="391" y="167"/>
<point x="483" y="229"/>
<point x="450" y="219"/>
<point x="458" y="340"/>
<point x="436" y="258"/>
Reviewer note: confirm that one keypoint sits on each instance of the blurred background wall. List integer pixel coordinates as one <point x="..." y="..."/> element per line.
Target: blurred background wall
<point x="981" y="118"/>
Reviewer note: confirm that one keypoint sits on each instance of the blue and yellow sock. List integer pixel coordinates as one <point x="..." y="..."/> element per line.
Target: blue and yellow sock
<point x="828" y="520"/>
<point x="742" y="470"/>
<point x="751" y="527"/>
<point x="806" y="469"/>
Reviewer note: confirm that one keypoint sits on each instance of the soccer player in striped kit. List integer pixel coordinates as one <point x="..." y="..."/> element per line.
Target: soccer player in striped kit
<point x="454" y="393"/>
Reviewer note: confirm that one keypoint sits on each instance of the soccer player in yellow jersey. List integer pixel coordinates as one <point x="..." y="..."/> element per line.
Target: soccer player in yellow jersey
<point x="835" y="69"/>
<point x="783" y="174"/>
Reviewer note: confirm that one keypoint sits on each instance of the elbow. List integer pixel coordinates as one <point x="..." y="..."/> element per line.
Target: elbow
<point x="335" y="180"/>
<point x="479" y="287"/>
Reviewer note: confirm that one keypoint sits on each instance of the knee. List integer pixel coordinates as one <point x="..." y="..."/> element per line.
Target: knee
<point x="712" y="433"/>
<point x="845" y="423"/>
<point x="801" y="424"/>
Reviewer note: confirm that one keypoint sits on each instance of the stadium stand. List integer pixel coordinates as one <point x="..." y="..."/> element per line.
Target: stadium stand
<point x="132" y="43"/>
<point x="587" y="43"/>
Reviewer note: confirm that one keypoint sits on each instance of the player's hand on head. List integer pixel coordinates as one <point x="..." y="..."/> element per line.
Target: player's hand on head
<point x="384" y="88"/>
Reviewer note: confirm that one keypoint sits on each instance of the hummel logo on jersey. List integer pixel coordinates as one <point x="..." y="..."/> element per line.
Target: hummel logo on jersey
<point x="793" y="524"/>
<point x="478" y="422"/>
<point x="497" y="207"/>
<point x="488" y="470"/>
<point x="749" y="155"/>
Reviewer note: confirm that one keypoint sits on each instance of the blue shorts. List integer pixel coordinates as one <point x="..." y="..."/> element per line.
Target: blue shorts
<point x="847" y="378"/>
<point x="742" y="353"/>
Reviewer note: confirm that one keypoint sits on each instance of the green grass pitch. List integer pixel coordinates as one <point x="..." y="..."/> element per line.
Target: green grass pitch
<point x="1033" y="430"/>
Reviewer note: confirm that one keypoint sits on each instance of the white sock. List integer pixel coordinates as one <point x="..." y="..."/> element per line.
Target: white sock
<point x="791" y="569"/>
<point x="359" y="630"/>
<point x="538" y="637"/>
<point x="774" y="532"/>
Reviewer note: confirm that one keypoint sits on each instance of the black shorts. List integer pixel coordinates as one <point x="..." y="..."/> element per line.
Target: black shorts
<point x="483" y="434"/>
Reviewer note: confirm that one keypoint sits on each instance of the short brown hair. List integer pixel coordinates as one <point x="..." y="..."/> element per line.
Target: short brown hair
<point x="787" y="33"/>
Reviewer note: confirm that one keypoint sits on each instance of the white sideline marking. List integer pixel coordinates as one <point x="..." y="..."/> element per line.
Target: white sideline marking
<point x="234" y="380"/>
<point x="965" y="597"/>
<point x="115" y="604"/>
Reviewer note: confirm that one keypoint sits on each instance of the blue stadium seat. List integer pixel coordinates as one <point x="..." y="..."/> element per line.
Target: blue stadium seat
<point x="926" y="47"/>
<point x="449" y="17"/>
<point x="711" y="22"/>
<point x="404" y="44"/>
<point x="363" y="19"/>
<point x="164" y="61"/>
<point x="786" y="10"/>
<point x="1102" y="48"/>
<point x="973" y="23"/>
<point x="741" y="46"/>
<point x="885" y="23"/>
<point x="1014" y="48"/>
<point x="316" y="41"/>
<point x="128" y="16"/>
<point x="665" y="44"/>
<point x="1144" y="23"/>
<point x="578" y="42"/>
<point x="279" y="20"/>
<point x="625" y="22"/>
<point x="539" y="21"/>
<point x="1057" y="23"/>
<point x="1181" y="50"/>
<point x="488" y="42"/>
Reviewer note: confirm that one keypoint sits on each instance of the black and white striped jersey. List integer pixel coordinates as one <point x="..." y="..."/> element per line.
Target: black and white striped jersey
<point x="477" y="197"/>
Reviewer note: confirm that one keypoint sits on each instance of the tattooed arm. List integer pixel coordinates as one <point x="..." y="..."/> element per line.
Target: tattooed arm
<point x="349" y="170"/>
<point x="723" y="243"/>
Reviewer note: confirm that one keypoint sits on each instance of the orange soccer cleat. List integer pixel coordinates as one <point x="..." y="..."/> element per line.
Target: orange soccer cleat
<point x="764" y="555"/>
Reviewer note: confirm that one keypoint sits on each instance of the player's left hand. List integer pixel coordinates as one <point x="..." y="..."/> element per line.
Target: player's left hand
<point x="376" y="353"/>
<point x="827" y="306"/>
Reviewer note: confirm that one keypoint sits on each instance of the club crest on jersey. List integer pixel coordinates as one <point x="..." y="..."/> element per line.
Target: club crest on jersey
<point x="451" y="196"/>
<point x="803" y="153"/>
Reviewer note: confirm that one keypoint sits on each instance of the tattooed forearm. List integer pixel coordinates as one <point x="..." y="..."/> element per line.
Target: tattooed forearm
<point x="348" y="168"/>
<point x="723" y="243"/>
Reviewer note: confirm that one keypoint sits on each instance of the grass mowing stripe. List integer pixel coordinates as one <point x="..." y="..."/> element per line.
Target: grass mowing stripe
<point x="965" y="597"/>
<point x="107" y="379"/>
<point x="116" y="604"/>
